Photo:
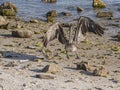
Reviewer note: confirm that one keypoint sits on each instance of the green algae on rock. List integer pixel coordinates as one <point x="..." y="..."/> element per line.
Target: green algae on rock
<point x="98" y="4"/>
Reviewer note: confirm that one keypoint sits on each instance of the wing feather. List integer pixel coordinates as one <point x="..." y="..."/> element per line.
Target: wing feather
<point x="55" y="31"/>
<point x="61" y="35"/>
<point x="85" y="24"/>
<point x="51" y="34"/>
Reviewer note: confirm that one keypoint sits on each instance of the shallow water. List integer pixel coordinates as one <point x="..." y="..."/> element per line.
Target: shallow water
<point x="37" y="9"/>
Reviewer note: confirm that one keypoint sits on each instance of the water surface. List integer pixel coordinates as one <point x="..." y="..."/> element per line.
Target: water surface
<point x="37" y="9"/>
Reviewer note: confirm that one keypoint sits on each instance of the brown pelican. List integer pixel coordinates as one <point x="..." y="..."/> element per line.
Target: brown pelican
<point x="84" y="25"/>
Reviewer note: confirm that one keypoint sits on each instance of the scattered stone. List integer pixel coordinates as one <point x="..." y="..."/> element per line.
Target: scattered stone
<point x="11" y="64"/>
<point x="26" y="67"/>
<point x="83" y="66"/>
<point x="101" y="72"/>
<point x="51" y="15"/>
<point x="50" y="19"/>
<point x="115" y="48"/>
<point x="22" y="33"/>
<point x="3" y="23"/>
<point x="44" y="76"/>
<point x="18" y="26"/>
<point x="104" y="14"/>
<point x="79" y="9"/>
<point x="51" y="68"/>
<point x="49" y="1"/>
<point x="37" y="60"/>
<point x="34" y="21"/>
<point x="8" y="9"/>
<point x="30" y="47"/>
<point x="69" y="81"/>
<point x="118" y="9"/>
<point x="66" y="14"/>
<point x="98" y="4"/>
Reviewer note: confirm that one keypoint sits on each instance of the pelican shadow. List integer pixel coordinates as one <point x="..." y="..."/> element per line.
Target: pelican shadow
<point x="17" y="56"/>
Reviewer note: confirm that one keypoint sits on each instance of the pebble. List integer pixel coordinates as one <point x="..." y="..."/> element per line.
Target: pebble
<point x="44" y="76"/>
<point x="51" y="68"/>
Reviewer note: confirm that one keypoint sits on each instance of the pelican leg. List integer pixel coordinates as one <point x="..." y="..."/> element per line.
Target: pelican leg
<point x="77" y="55"/>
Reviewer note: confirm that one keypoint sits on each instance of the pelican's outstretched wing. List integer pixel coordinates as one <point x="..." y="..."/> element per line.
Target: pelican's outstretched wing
<point x="55" y="31"/>
<point x="85" y="24"/>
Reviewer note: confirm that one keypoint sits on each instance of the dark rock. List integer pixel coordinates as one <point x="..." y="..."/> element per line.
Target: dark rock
<point x="118" y="9"/>
<point x="66" y="14"/>
<point x="22" y="33"/>
<point x="8" y="9"/>
<point x="83" y="66"/>
<point x="52" y="13"/>
<point x="43" y="76"/>
<point x="49" y="1"/>
<point x="104" y="14"/>
<point x="79" y="9"/>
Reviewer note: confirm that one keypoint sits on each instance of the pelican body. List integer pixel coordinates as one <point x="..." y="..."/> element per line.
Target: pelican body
<point x="84" y="25"/>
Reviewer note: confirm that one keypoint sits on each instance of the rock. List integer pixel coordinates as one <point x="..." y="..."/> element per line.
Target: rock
<point x="115" y="48"/>
<point x="51" y="68"/>
<point x="34" y="21"/>
<point x="11" y="64"/>
<point x="98" y="4"/>
<point x="8" y="9"/>
<point x="83" y="66"/>
<point x="79" y="9"/>
<point x="51" y="15"/>
<point x="49" y="1"/>
<point x="118" y="9"/>
<point x="44" y="76"/>
<point x="30" y="47"/>
<point x="22" y="33"/>
<point x="3" y="23"/>
<point x="100" y="72"/>
<point x="66" y="14"/>
<point x="38" y="60"/>
<point x="51" y="19"/>
<point x="104" y="14"/>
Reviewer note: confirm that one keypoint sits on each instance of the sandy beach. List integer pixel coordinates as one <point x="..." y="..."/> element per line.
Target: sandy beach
<point x="22" y="60"/>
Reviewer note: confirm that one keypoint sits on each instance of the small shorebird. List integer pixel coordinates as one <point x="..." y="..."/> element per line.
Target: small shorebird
<point x="84" y="25"/>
